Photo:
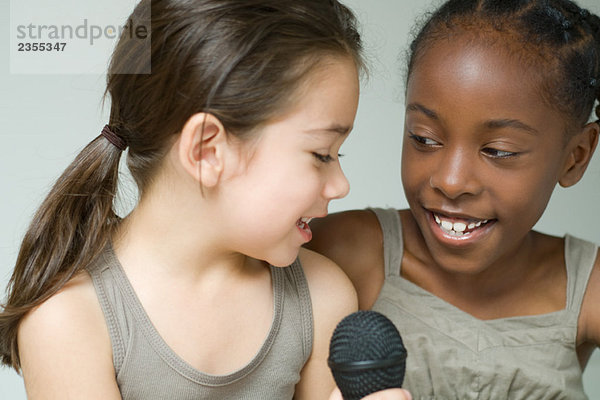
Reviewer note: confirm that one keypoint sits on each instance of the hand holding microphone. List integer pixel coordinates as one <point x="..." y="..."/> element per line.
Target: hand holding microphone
<point x="366" y="355"/>
<point x="388" y="394"/>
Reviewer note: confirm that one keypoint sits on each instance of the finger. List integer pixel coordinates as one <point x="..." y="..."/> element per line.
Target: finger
<point x="336" y="395"/>
<point x="390" y="394"/>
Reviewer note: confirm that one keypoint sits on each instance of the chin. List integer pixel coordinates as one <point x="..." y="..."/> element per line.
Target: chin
<point x="282" y="262"/>
<point x="461" y="264"/>
<point x="279" y="254"/>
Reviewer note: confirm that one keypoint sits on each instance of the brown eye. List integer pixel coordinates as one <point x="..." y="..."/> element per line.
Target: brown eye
<point x="422" y="140"/>
<point x="495" y="153"/>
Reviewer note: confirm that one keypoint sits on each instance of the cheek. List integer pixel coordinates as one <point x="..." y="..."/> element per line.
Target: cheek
<point x="415" y="170"/>
<point x="292" y="185"/>
<point x="523" y="196"/>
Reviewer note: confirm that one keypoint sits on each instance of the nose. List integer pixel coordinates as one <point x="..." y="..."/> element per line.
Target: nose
<point x="336" y="186"/>
<point x="457" y="175"/>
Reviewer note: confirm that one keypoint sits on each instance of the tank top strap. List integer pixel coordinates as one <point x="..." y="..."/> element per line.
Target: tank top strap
<point x="290" y="282"/>
<point x="580" y="256"/>
<point x="101" y="271"/>
<point x="393" y="246"/>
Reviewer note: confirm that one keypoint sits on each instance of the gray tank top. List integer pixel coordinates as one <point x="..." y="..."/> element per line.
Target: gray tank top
<point x="146" y="368"/>
<point x="453" y="355"/>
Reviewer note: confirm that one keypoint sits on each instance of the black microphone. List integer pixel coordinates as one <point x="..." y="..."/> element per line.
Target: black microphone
<point x="366" y="355"/>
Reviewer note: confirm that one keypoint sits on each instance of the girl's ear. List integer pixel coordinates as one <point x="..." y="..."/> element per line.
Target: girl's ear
<point x="202" y="146"/>
<point x="582" y="148"/>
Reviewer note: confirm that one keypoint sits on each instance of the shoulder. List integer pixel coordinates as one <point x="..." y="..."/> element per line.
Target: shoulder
<point x="354" y="241"/>
<point x="589" y="322"/>
<point x="339" y="232"/>
<point x="64" y="345"/>
<point x="330" y="289"/>
<point x="64" y="314"/>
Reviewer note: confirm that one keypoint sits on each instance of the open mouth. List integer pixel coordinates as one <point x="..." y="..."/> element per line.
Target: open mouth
<point x="459" y="227"/>
<point x="302" y="224"/>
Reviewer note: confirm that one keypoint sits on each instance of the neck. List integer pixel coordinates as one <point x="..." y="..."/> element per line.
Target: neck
<point x="504" y="273"/>
<point x="174" y="239"/>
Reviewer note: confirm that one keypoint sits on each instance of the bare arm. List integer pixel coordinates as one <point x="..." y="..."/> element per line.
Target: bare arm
<point x="65" y="349"/>
<point x="354" y="241"/>
<point x="333" y="297"/>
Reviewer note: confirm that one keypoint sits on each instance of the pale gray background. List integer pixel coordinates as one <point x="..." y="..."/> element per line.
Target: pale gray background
<point x="47" y="119"/>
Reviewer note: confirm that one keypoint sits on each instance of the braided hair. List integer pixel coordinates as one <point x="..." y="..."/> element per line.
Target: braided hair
<point x="556" y="38"/>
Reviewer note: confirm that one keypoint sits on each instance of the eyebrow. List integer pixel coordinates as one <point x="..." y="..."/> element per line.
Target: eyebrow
<point x="491" y="124"/>
<point x="421" y="108"/>
<point x="510" y="123"/>
<point x="340" y="129"/>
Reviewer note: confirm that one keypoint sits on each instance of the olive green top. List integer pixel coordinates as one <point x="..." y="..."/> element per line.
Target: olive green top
<point x="453" y="355"/>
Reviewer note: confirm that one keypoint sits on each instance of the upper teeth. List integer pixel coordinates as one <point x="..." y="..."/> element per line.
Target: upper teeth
<point x="457" y="226"/>
<point x="305" y="220"/>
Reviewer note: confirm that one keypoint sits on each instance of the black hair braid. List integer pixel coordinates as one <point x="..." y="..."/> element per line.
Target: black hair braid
<point x="598" y="106"/>
<point x="594" y="23"/>
<point x="499" y="7"/>
<point x="591" y="24"/>
<point x="563" y="27"/>
<point x="568" y="35"/>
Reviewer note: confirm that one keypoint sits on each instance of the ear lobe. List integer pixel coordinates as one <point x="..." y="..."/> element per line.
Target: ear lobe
<point x="201" y="148"/>
<point x="583" y="146"/>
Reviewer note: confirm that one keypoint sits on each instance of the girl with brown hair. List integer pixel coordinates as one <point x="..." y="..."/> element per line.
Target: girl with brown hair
<point x="202" y="291"/>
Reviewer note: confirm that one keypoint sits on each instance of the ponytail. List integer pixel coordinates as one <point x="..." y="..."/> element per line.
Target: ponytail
<point x="68" y="231"/>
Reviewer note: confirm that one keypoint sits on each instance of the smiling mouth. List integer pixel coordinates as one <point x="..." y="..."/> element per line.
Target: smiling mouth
<point x="458" y="227"/>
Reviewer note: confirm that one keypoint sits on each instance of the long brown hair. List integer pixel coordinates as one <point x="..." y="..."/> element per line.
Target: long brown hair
<point x="240" y="60"/>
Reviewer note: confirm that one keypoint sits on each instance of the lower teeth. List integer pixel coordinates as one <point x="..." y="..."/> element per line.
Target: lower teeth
<point x="454" y="233"/>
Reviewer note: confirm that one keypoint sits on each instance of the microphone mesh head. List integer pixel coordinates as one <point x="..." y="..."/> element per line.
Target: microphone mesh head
<point x="372" y="337"/>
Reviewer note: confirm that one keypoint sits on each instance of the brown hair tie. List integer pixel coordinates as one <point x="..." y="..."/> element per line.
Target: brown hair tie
<point x="112" y="137"/>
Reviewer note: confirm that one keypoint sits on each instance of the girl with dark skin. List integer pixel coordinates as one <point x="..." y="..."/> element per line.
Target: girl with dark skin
<point x="499" y="97"/>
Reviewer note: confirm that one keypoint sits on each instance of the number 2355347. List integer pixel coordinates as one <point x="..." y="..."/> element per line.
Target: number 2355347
<point x="43" y="46"/>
